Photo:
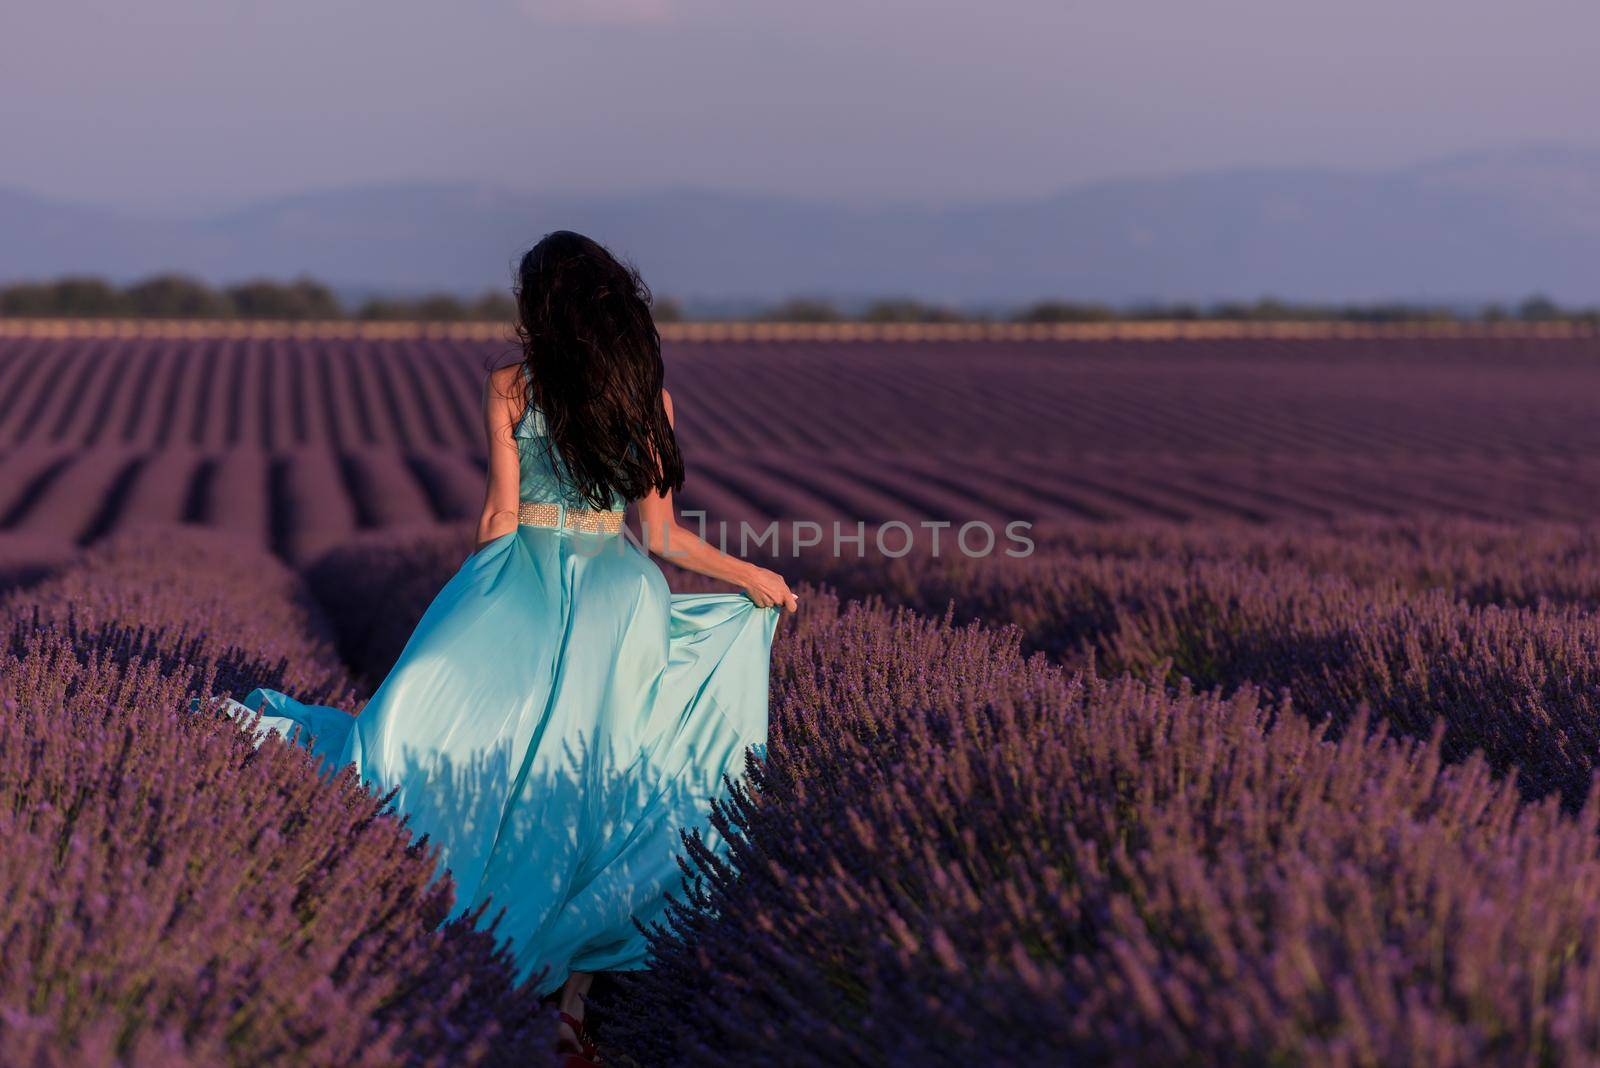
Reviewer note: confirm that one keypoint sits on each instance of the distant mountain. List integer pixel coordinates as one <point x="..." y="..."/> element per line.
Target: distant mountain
<point x="1494" y="225"/>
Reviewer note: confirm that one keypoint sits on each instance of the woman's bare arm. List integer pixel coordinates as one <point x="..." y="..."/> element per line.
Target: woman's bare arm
<point x="501" y="407"/>
<point x="665" y="537"/>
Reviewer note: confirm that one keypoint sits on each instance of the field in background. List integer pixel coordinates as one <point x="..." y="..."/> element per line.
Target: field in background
<point x="294" y="443"/>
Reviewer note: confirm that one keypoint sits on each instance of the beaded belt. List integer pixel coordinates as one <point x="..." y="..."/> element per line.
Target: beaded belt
<point x="545" y="514"/>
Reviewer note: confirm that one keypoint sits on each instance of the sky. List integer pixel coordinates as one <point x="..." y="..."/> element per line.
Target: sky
<point x="179" y="106"/>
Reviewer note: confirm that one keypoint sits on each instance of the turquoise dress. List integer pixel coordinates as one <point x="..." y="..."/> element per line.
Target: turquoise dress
<point x="555" y="721"/>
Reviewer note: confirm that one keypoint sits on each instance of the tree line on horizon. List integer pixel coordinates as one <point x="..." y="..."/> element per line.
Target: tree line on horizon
<point x="176" y="296"/>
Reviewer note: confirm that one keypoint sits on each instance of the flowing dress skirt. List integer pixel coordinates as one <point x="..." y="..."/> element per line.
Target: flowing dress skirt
<point x="555" y="721"/>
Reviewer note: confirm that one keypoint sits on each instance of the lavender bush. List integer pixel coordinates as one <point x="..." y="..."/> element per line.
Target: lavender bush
<point x="954" y="855"/>
<point x="174" y="895"/>
<point x="1520" y="684"/>
<point x="184" y="589"/>
<point x="1068" y="594"/>
<point x="1485" y="628"/>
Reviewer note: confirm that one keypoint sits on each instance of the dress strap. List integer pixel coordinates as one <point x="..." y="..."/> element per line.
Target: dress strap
<point x="531" y="425"/>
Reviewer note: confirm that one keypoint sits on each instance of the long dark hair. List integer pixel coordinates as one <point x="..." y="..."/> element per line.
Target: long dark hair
<point x="593" y="366"/>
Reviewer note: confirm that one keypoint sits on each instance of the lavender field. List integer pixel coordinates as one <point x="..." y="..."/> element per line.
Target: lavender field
<point x="1279" y="749"/>
<point x="293" y="444"/>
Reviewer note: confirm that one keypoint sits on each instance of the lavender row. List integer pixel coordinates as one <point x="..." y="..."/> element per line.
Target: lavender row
<point x="1375" y="397"/>
<point x="1487" y="630"/>
<point x="296" y="443"/>
<point x="1063" y="595"/>
<point x="183" y="586"/>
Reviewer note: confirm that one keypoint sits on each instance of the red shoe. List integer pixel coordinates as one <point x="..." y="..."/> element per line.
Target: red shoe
<point x="590" y="1056"/>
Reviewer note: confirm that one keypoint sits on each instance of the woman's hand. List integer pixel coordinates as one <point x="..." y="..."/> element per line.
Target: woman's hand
<point x="767" y="589"/>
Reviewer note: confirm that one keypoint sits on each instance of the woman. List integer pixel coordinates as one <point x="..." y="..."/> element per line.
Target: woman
<point x="558" y="717"/>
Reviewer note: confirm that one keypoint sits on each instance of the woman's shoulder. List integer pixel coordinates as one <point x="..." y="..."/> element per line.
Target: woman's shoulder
<point x="503" y="390"/>
<point x="507" y="381"/>
<point x="505" y="401"/>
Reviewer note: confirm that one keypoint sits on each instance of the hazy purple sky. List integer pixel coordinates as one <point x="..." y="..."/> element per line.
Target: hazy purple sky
<point x="186" y="104"/>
